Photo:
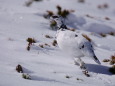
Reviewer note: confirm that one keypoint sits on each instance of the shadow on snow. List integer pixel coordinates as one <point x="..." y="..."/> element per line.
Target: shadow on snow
<point x="98" y="69"/>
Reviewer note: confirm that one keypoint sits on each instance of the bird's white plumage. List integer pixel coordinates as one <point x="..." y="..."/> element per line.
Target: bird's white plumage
<point x="73" y="42"/>
<point x="69" y="42"/>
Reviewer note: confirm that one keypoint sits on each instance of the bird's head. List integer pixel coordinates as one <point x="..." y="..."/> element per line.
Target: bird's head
<point x="59" y="20"/>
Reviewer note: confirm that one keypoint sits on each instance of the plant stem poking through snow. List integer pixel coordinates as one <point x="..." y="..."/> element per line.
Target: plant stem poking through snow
<point x="29" y="3"/>
<point x="111" y="60"/>
<point x="47" y="36"/>
<point x="106" y="60"/>
<point x="41" y="45"/>
<point x="79" y="79"/>
<point x="19" y="69"/>
<point x="112" y="33"/>
<point x="103" y="6"/>
<point x="86" y="73"/>
<point x="53" y="25"/>
<point x="103" y="35"/>
<point x="68" y="76"/>
<point x="112" y="69"/>
<point x="54" y="43"/>
<point x="26" y="76"/>
<point x="107" y="18"/>
<point x="30" y="42"/>
<point x="85" y="36"/>
<point x="63" y="13"/>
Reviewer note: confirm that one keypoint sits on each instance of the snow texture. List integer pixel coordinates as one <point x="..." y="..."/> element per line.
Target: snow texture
<point x="49" y="65"/>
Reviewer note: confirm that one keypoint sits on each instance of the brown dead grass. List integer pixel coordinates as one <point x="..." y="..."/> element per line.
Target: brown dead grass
<point x="87" y="37"/>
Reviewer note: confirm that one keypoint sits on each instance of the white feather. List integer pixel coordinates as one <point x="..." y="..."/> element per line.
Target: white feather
<point x="74" y="43"/>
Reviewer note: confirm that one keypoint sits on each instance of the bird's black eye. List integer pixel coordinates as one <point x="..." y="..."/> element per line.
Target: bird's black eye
<point x="76" y="35"/>
<point x="83" y="46"/>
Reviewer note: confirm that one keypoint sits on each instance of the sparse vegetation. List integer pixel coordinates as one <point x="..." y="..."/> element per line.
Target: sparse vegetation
<point x="53" y="25"/>
<point x="79" y="79"/>
<point x="112" y="33"/>
<point x="106" y="60"/>
<point x="41" y="45"/>
<point x="41" y="62"/>
<point x="112" y="69"/>
<point x="107" y="18"/>
<point x="29" y="3"/>
<point x="111" y="60"/>
<point x="19" y="68"/>
<point x="81" y="1"/>
<point x="86" y="73"/>
<point x="30" y="42"/>
<point x="71" y="29"/>
<point x="103" y="6"/>
<point x="68" y="76"/>
<point x="64" y="13"/>
<point x="89" y="16"/>
<point x="61" y="12"/>
<point x="48" y="36"/>
<point x="48" y="14"/>
<point x="47" y="44"/>
<point x="54" y="43"/>
<point x="103" y="35"/>
<point x="87" y="37"/>
<point x="26" y="76"/>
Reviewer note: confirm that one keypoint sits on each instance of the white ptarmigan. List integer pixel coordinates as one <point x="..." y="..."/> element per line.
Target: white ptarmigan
<point x="73" y="42"/>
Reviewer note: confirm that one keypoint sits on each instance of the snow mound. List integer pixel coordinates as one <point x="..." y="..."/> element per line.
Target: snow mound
<point x="74" y="21"/>
<point x="98" y="28"/>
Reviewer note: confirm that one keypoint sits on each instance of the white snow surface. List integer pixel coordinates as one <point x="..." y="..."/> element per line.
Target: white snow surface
<point x="49" y="66"/>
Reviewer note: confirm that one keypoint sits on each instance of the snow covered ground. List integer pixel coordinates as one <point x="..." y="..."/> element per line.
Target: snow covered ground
<point x="50" y="66"/>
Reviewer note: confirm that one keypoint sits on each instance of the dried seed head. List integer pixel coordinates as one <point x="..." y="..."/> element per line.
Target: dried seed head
<point x="31" y="40"/>
<point x="112" y="69"/>
<point x="107" y="18"/>
<point x="112" y="33"/>
<point x="54" y="43"/>
<point x="42" y="46"/>
<point x="68" y="76"/>
<point x="47" y="44"/>
<point x="112" y="62"/>
<point x="72" y="29"/>
<point x="47" y="36"/>
<point x="113" y="57"/>
<point x="26" y="76"/>
<point x="50" y="13"/>
<point x="58" y="7"/>
<point x="19" y="69"/>
<point x="103" y="35"/>
<point x="106" y="60"/>
<point x="28" y="48"/>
